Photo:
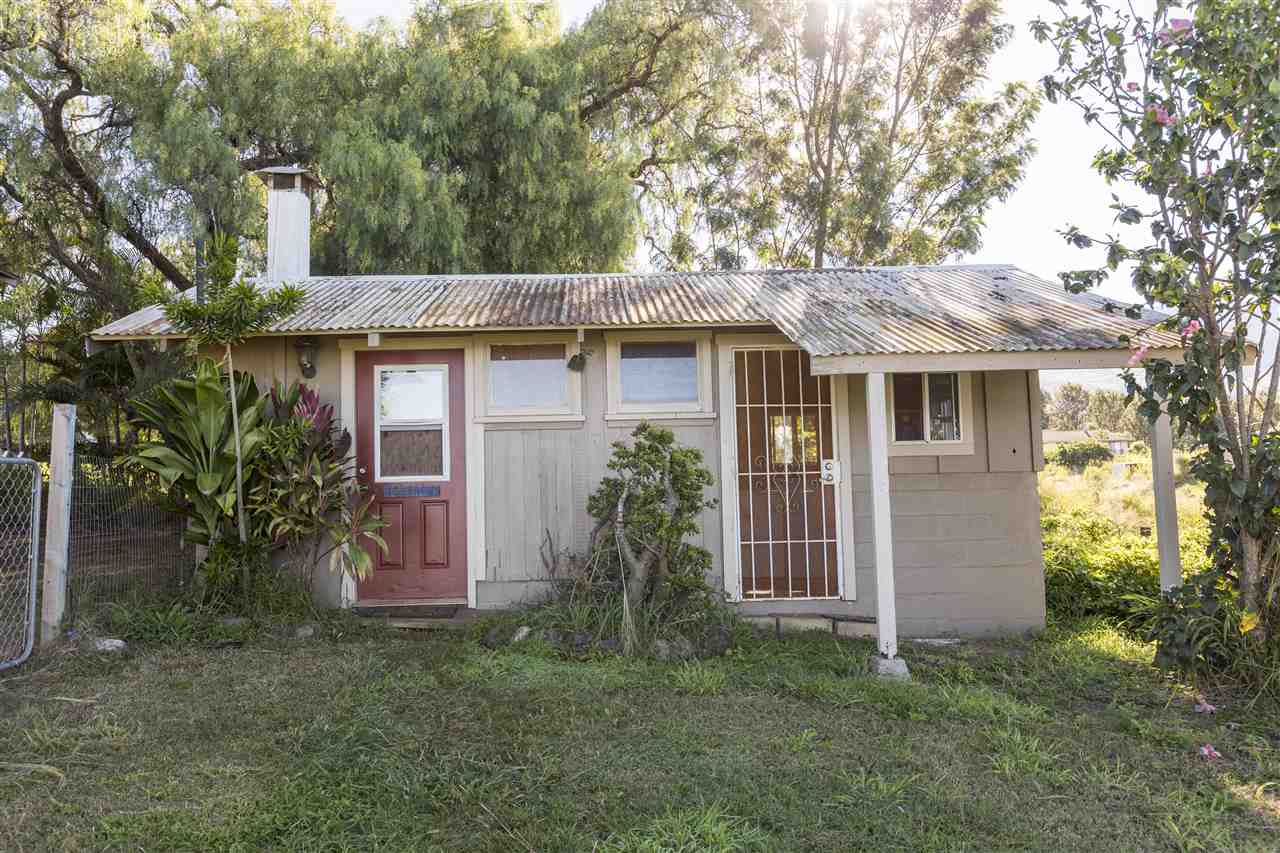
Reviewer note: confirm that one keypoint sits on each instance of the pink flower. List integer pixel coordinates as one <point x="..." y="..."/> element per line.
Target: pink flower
<point x="1203" y="707"/>
<point x="1178" y="29"/>
<point x="1187" y="331"/>
<point x="1207" y="751"/>
<point x="1132" y="87"/>
<point x="1160" y="115"/>
<point x="1139" y="355"/>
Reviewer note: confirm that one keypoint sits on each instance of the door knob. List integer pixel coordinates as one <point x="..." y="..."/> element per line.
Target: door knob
<point x="363" y="470"/>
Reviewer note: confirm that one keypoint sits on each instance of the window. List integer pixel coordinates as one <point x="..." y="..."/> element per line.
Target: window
<point x="412" y="433"/>
<point x="659" y="374"/>
<point x="528" y="378"/>
<point x="930" y="413"/>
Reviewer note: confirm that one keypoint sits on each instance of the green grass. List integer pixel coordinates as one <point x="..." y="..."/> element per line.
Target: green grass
<point x="364" y="740"/>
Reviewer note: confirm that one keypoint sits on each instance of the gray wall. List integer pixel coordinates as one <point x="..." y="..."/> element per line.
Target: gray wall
<point x="966" y="528"/>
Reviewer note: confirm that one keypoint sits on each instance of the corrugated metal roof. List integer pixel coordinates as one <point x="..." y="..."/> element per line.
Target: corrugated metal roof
<point x="859" y="311"/>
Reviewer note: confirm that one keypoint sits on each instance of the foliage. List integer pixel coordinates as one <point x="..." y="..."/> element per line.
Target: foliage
<point x="1066" y="408"/>
<point x="1092" y="566"/>
<point x="1191" y="108"/>
<point x="195" y="453"/>
<point x="305" y="496"/>
<point x="807" y="134"/>
<point x="1201" y="631"/>
<point x="1080" y="455"/>
<point x="644" y="512"/>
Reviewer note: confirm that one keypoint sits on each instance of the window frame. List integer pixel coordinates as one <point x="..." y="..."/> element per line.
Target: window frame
<point x="962" y="446"/>
<point x="617" y="409"/>
<point x="572" y="408"/>
<point x="405" y="426"/>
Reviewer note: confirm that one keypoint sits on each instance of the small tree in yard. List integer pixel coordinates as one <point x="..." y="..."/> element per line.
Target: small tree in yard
<point x="643" y="514"/>
<point x="1191" y="110"/>
<point x="231" y="311"/>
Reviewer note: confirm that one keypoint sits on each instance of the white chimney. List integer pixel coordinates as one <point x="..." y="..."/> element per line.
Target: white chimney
<point x="289" y="191"/>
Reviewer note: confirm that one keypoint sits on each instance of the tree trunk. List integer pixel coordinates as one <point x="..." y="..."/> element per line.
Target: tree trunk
<point x="235" y="429"/>
<point x="1251" y="597"/>
<point x="22" y="410"/>
<point x="8" y="424"/>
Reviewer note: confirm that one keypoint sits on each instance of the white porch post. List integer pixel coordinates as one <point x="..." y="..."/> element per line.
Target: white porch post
<point x="1166" y="502"/>
<point x="878" y="444"/>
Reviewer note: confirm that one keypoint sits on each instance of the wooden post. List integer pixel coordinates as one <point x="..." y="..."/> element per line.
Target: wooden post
<point x="1166" y="502"/>
<point x="881" y="518"/>
<point x="58" y="521"/>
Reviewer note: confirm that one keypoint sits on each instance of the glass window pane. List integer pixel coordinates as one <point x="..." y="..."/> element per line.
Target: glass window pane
<point x="660" y="372"/>
<point x="411" y="452"/>
<point x="528" y="376"/>
<point x="410" y="395"/>
<point x="944" y="407"/>
<point x="793" y="438"/>
<point x="908" y="407"/>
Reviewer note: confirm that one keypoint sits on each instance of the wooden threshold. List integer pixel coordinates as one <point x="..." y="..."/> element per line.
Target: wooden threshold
<point x="409" y="602"/>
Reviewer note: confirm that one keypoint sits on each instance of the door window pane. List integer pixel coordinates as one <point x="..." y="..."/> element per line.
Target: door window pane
<point x="411" y="452"/>
<point x="908" y="407"/>
<point x="944" y="407"/>
<point x="528" y="376"/>
<point x="411" y="395"/>
<point x="793" y="438"/>
<point x="659" y="372"/>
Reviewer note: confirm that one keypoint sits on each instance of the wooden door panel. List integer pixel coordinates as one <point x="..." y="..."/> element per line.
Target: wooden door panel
<point x="419" y="481"/>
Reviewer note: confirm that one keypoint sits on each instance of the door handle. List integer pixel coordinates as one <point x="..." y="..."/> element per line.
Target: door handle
<point x="362" y="470"/>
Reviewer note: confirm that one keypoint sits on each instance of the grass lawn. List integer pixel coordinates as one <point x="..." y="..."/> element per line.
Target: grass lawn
<point x="365" y="740"/>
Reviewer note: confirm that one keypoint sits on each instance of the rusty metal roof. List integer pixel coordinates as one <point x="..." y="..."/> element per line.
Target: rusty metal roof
<point x="857" y="311"/>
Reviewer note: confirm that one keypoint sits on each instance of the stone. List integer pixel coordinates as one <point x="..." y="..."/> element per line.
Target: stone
<point x="581" y="640"/>
<point x="611" y="644"/>
<point x="233" y="621"/>
<point x="522" y="633"/>
<point x="895" y="668"/>
<point x="494" y="637"/>
<point x="678" y="648"/>
<point x="110" y="645"/>
<point x="551" y="637"/>
<point x="304" y="632"/>
<point x="718" y="641"/>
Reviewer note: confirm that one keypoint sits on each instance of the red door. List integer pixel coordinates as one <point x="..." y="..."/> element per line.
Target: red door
<point x="411" y="452"/>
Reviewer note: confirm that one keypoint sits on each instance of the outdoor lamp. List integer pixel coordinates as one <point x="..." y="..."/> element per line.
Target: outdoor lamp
<point x="306" y="357"/>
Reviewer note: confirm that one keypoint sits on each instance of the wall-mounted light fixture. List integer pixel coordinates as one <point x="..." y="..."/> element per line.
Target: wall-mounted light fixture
<point x="306" y="357"/>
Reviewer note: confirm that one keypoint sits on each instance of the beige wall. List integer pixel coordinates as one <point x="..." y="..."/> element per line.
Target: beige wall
<point x="966" y="528"/>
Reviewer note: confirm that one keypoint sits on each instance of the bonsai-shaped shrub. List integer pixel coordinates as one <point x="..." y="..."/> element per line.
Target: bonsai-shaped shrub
<point x="1080" y="455"/>
<point x="644" y="512"/>
<point x="305" y="497"/>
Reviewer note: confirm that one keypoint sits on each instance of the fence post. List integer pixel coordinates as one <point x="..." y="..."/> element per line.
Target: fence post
<point x="62" y="450"/>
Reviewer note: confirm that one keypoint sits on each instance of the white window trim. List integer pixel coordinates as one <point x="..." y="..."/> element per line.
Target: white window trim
<point x="961" y="447"/>
<point x="443" y="423"/>
<point x="570" y="412"/>
<point x="616" y="409"/>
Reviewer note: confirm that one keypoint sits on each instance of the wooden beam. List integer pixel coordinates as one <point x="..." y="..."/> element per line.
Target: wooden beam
<point x="881" y="516"/>
<point x="58" y="524"/>
<point x="1166" y="502"/>
<point x="1057" y="360"/>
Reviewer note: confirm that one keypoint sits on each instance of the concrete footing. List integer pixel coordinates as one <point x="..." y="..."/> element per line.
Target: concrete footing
<point x="894" y="667"/>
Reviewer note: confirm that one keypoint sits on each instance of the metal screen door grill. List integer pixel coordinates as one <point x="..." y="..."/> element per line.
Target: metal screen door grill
<point x="19" y="551"/>
<point x="786" y="513"/>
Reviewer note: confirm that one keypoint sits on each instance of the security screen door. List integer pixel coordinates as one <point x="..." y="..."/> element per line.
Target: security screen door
<point x="786" y="508"/>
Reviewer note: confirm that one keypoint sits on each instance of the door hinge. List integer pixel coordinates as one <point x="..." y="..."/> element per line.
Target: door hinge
<point x="830" y="471"/>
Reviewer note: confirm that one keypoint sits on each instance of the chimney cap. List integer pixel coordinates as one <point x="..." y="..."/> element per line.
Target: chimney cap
<point x="267" y="176"/>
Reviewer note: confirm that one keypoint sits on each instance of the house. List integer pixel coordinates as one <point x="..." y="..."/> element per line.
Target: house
<point x="874" y="432"/>
<point x="1117" y="442"/>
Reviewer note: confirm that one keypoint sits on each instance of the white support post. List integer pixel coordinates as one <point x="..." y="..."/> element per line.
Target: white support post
<point x="58" y="521"/>
<point x="882" y="524"/>
<point x="1166" y="502"/>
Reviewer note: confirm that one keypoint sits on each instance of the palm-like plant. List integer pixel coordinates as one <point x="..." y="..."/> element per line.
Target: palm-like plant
<point x="199" y="442"/>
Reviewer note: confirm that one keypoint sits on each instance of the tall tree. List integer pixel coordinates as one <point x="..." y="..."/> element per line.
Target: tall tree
<point x="1189" y="109"/>
<point x="817" y="133"/>
<point x="1069" y="407"/>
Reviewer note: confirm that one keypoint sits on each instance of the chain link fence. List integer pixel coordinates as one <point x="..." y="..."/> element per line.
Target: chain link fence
<point x="20" y="482"/>
<point x="125" y="542"/>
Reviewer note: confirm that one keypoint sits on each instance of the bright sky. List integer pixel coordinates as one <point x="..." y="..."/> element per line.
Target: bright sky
<point x="1059" y="188"/>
